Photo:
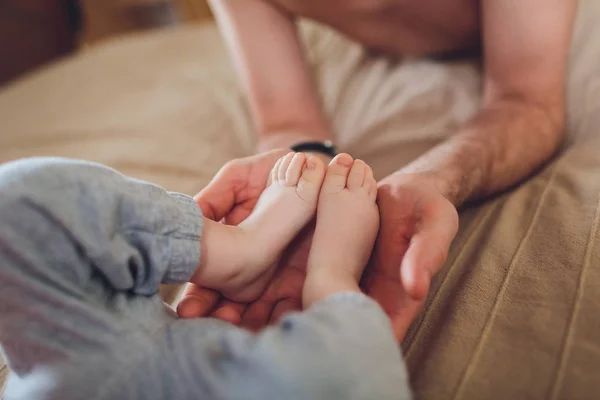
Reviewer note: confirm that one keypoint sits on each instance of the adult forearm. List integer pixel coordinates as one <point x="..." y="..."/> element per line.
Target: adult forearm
<point x="269" y="58"/>
<point x="502" y="145"/>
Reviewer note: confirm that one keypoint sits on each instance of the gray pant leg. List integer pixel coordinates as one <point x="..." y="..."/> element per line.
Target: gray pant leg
<point x="82" y="251"/>
<point x="79" y="243"/>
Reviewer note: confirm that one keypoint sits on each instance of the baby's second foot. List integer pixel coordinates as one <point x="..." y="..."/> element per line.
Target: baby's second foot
<point x="347" y="225"/>
<point x="241" y="260"/>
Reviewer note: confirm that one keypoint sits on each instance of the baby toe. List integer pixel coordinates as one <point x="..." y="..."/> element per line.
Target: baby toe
<point x="309" y="185"/>
<point x="297" y="164"/>
<point x="337" y="173"/>
<point x="357" y="175"/>
<point x="275" y="170"/>
<point x="369" y="178"/>
<point x="314" y="171"/>
<point x="283" y="167"/>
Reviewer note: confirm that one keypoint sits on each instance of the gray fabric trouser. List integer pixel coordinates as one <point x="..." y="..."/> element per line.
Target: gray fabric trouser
<point x="82" y="252"/>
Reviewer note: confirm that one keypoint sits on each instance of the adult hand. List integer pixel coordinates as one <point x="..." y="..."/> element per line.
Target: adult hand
<point x="283" y="294"/>
<point x="231" y="197"/>
<point x="418" y="225"/>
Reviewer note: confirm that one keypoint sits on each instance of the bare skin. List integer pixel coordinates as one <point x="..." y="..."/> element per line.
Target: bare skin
<point x="519" y="127"/>
<point x="347" y="224"/>
<point x="427" y="27"/>
<point x="239" y="260"/>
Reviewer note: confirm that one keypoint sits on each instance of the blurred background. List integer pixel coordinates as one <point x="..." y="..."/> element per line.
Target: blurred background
<point x="34" y="32"/>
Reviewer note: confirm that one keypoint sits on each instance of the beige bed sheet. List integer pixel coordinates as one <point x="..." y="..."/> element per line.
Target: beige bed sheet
<point x="514" y="314"/>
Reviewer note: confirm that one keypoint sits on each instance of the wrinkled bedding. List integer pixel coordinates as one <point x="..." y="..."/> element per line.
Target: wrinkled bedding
<point x="513" y="314"/>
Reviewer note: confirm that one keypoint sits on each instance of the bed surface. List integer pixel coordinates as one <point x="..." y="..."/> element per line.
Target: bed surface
<point x="514" y="313"/>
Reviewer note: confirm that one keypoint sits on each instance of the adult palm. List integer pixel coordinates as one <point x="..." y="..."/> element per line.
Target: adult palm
<point x="418" y="225"/>
<point x="231" y="197"/>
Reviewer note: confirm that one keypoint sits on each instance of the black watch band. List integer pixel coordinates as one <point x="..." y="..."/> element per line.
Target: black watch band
<point x="325" y="147"/>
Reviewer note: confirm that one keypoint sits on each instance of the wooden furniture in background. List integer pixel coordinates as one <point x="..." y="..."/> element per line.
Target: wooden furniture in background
<point x="194" y="10"/>
<point x="111" y="17"/>
<point x="107" y="18"/>
<point x="34" y="32"/>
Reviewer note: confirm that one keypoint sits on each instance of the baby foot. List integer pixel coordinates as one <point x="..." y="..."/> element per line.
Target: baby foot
<point x="347" y="225"/>
<point x="239" y="261"/>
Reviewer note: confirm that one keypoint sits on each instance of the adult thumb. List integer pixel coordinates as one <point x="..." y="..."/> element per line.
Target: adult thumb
<point x="427" y="253"/>
<point x="218" y="198"/>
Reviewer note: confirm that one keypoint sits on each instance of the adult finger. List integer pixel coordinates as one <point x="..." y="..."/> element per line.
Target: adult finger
<point x="402" y="317"/>
<point x="396" y="303"/>
<point x="223" y="192"/>
<point x="218" y="198"/>
<point x="196" y="302"/>
<point x="283" y="307"/>
<point x="257" y="315"/>
<point x="240" y="212"/>
<point x="427" y="252"/>
<point x="229" y="311"/>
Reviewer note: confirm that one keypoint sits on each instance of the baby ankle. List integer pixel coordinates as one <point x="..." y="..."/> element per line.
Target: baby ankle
<point x="319" y="286"/>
